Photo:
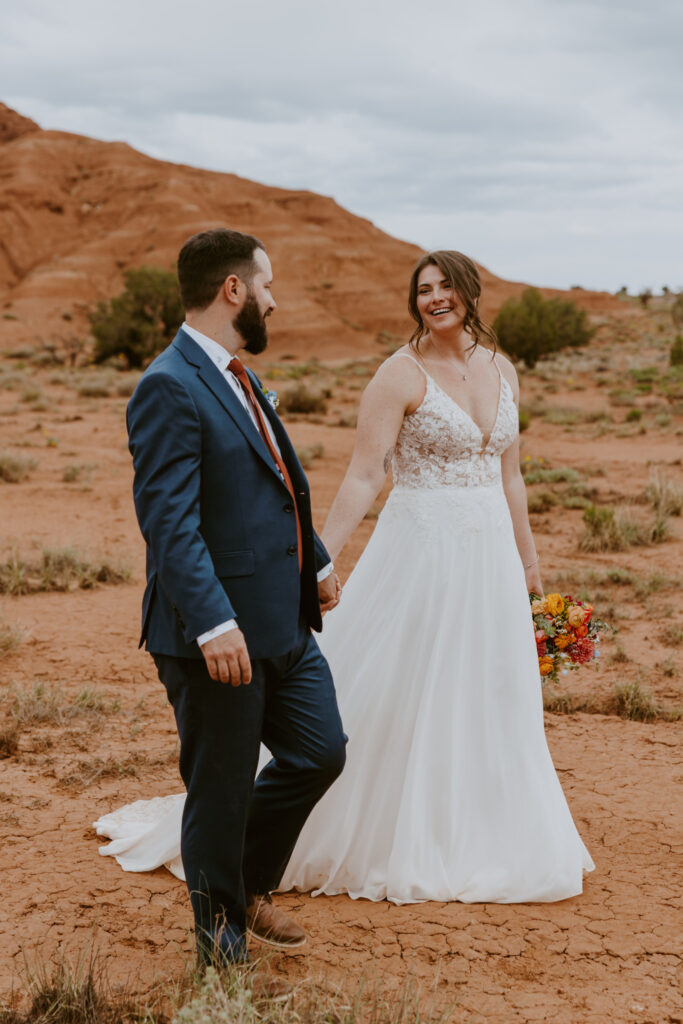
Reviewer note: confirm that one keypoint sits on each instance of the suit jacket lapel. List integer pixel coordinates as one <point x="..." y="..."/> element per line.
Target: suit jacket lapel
<point x="212" y="377"/>
<point x="286" y="448"/>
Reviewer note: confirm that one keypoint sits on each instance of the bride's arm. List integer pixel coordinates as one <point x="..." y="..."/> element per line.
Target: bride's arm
<point x="397" y="388"/>
<point x="515" y="492"/>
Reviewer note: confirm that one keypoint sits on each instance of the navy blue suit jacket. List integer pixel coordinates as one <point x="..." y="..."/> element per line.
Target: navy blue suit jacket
<point x="215" y="513"/>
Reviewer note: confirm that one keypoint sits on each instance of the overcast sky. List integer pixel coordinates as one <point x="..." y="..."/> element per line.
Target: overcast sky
<point x="542" y="137"/>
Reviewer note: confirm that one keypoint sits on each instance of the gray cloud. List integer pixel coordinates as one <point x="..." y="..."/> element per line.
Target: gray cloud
<point x="548" y="119"/>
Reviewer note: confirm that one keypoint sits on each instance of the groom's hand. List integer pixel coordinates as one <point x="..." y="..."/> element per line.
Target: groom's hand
<point x="329" y="592"/>
<point x="227" y="658"/>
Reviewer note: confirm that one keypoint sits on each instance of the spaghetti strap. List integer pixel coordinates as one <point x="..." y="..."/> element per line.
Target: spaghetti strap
<point x="407" y="355"/>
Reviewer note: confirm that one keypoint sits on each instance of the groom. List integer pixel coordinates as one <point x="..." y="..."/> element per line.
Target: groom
<point x="236" y="580"/>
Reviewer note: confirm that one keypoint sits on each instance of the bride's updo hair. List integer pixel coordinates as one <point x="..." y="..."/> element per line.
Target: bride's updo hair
<point x="462" y="274"/>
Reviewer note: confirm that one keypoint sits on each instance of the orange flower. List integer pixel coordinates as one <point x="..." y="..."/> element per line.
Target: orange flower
<point x="555" y="603"/>
<point x="545" y="665"/>
<point x="581" y="631"/>
<point x="576" y="616"/>
<point x="563" y="641"/>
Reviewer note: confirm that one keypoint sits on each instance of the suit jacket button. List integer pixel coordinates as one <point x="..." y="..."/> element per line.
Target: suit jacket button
<point x="292" y="549"/>
<point x="288" y="507"/>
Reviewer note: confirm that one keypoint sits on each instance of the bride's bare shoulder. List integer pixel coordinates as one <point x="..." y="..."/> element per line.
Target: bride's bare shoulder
<point x="400" y="376"/>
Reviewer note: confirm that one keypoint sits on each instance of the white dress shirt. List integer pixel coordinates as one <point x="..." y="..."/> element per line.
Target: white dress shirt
<point x="221" y="357"/>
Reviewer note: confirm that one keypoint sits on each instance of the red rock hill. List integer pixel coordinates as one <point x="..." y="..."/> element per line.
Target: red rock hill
<point x="76" y="212"/>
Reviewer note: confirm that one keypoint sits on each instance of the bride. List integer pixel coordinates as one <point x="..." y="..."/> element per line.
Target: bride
<point x="449" y="791"/>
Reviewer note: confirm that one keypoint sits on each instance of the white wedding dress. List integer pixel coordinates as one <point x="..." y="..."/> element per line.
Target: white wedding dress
<point x="449" y="791"/>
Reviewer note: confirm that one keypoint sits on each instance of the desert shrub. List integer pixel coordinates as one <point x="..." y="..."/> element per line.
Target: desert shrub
<point x="565" y="417"/>
<point x="64" y="994"/>
<point x="677" y="310"/>
<point x="609" y="529"/>
<point x="531" y="327"/>
<point x="524" y="419"/>
<point x="547" y="475"/>
<point x="58" y="570"/>
<point x="307" y="456"/>
<point x="302" y="399"/>
<point x="676" y="351"/>
<point x="141" y="321"/>
<point x="44" y="704"/>
<point x="15" y="468"/>
<point x="96" y="388"/>
<point x="665" y="496"/>
<point x="635" y="702"/>
<point x="10" y="638"/>
<point x="634" y="415"/>
<point x="672" y="635"/>
<point x="542" y="501"/>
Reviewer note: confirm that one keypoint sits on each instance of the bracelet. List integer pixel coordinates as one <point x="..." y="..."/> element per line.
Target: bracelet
<point x="535" y="562"/>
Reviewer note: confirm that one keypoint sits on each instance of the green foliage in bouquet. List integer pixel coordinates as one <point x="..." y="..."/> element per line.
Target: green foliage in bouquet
<point x="531" y="327"/>
<point x="137" y="324"/>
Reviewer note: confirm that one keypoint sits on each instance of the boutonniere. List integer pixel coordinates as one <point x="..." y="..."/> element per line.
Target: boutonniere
<point x="270" y="396"/>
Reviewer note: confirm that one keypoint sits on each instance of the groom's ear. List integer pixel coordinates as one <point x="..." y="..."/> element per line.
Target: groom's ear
<point x="232" y="289"/>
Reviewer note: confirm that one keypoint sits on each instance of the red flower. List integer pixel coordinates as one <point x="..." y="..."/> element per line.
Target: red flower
<point x="582" y="651"/>
<point x="541" y="647"/>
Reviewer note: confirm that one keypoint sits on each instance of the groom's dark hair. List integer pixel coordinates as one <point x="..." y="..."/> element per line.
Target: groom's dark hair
<point x="208" y="258"/>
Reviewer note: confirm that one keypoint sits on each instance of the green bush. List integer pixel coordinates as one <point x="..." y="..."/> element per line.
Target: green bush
<point x="633" y="415"/>
<point x="531" y="326"/>
<point x="676" y="351"/>
<point x="141" y="321"/>
<point x="677" y="310"/>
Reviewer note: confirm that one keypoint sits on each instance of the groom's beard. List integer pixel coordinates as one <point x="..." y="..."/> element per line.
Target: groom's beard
<point x="251" y="325"/>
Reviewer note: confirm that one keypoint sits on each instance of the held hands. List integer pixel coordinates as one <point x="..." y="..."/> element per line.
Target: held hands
<point x="329" y="592"/>
<point x="227" y="658"/>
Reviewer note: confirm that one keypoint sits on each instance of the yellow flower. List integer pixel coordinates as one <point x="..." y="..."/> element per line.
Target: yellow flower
<point x="545" y="665"/>
<point x="539" y="607"/>
<point x="563" y="641"/>
<point x="555" y="603"/>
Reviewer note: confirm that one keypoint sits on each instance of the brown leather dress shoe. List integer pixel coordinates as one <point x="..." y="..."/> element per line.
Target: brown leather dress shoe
<point x="268" y="924"/>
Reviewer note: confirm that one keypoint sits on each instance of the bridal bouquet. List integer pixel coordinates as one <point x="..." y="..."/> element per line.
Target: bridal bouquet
<point x="567" y="634"/>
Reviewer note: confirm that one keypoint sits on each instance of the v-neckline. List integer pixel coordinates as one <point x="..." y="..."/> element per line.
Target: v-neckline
<point x="484" y="444"/>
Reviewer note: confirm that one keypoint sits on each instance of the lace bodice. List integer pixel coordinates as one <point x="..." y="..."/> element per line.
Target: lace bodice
<point x="440" y="445"/>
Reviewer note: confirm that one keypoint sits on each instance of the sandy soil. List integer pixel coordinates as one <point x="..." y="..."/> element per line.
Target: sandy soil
<point x="610" y="955"/>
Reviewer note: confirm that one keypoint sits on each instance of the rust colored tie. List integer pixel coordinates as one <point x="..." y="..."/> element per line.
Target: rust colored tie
<point x="237" y="367"/>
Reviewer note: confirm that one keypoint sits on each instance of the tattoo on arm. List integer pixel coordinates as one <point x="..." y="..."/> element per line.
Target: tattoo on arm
<point x="387" y="459"/>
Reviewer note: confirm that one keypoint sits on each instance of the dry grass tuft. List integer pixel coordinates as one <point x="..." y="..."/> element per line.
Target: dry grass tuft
<point x="10" y="638"/>
<point x="637" y="703"/>
<point x="9" y="741"/>
<point x="82" y="994"/>
<point x="629" y="700"/>
<point x="610" y="529"/>
<point x="302" y="399"/>
<point x="15" y="468"/>
<point x="59" y="569"/>
<point x="665" y="496"/>
<point x="307" y="456"/>
<point x="42" y="704"/>
<point x="62" y="994"/>
<point x="671" y="635"/>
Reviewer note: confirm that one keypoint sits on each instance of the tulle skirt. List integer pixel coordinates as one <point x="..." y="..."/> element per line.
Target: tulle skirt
<point x="449" y="791"/>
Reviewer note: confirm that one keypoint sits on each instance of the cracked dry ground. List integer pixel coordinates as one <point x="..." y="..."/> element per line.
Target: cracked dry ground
<point x="612" y="954"/>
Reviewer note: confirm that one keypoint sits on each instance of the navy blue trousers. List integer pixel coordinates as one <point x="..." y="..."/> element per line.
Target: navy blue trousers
<point x="237" y="833"/>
